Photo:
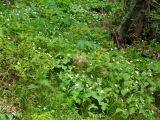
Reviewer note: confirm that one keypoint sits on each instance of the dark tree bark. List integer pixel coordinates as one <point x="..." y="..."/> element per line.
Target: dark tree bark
<point x="119" y="35"/>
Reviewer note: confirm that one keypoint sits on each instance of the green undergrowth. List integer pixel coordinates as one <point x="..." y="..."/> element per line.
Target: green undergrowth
<point x="57" y="62"/>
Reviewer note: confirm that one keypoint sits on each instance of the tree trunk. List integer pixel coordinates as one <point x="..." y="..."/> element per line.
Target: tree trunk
<point x="119" y="35"/>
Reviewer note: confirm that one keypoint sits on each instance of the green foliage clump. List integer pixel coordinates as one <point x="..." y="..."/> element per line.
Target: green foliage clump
<point x="44" y="116"/>
<point x="112" y="85"/>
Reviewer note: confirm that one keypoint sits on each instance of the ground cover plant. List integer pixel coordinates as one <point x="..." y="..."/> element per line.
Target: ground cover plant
<point x="58" y="61"/>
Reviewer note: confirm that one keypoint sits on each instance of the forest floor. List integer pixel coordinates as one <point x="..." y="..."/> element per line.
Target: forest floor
<point x="57" y="61"/>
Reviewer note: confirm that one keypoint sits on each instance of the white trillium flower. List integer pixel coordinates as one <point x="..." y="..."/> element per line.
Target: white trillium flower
<point x="77" y="75"/>
<point x="102" y="91"/>
<point x="137" y="72"/>
<point x="77" y="84"/>
<point x="68" y="55"/>
<point x="87" y="85"/>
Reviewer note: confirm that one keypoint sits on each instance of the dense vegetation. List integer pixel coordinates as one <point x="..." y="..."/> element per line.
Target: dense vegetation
<point x="58" y="62"/>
